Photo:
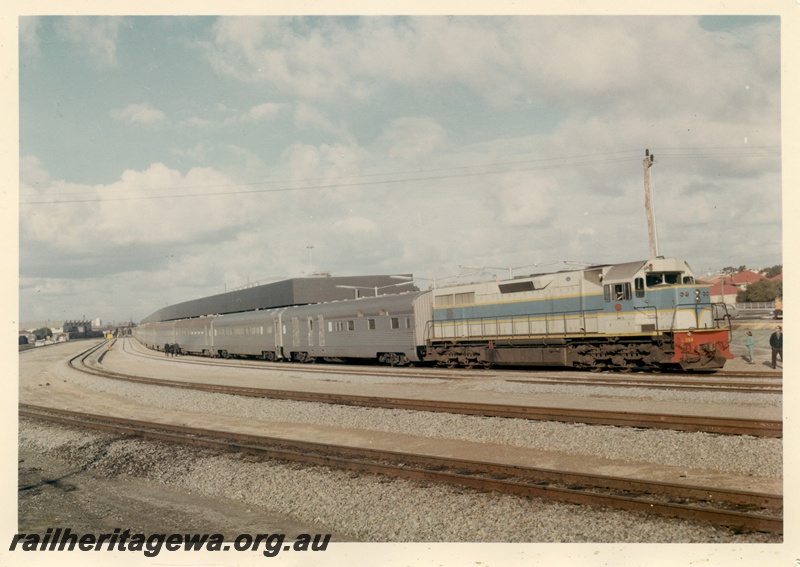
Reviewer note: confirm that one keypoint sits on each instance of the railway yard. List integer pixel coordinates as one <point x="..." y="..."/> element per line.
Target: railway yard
<point x="113" y="434"/>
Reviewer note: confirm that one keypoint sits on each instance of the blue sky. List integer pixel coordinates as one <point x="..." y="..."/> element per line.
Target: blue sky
<point x="170" y="158"/>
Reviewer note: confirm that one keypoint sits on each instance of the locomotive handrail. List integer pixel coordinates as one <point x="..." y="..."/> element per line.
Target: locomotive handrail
<point x="726" y="317"/>
<point x="474" y="327"/>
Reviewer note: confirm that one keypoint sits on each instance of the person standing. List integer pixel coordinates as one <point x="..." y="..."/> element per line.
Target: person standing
<point x="776" y="342"/>
<point x="751" y="347"/>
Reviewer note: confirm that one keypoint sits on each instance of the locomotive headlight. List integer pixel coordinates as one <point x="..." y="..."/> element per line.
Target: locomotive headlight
<point x="697" y="295"/>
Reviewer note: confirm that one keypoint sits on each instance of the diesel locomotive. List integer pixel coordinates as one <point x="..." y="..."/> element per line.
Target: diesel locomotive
<point x="638" y="315"/>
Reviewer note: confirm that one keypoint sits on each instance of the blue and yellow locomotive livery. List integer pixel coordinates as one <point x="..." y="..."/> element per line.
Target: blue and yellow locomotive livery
<point x="647" y="314"/>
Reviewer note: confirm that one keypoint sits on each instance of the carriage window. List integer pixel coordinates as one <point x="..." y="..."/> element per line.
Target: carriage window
<point x="617" y="292"/>
<point x="395" y="323"/>
<point x="371" y="324"/>
<point x="654" y="279"/>
<point x="351" y="325"/>
<point x="639" y="285"/>
<point x="665" y="278"/>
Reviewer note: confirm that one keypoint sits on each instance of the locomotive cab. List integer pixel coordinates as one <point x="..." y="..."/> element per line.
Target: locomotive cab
<point x="660" y="295"/>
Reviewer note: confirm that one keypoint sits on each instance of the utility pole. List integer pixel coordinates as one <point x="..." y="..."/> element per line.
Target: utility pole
<point x="310" y="266"/>
<point x="648" y="204"/>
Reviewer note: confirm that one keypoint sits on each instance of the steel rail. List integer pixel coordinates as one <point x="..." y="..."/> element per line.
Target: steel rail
<point x="631" y="380"/>
<point x="709" y="504"/>
<point x="692" y="423"/>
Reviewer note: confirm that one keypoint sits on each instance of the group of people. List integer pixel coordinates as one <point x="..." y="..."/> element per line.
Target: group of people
<point x="775" y="342"/>
<point x="172" y="349"/>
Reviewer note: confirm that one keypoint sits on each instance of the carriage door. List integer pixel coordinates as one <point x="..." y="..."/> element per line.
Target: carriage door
<point x="278" y="335"/>
<point x="296" y="331"/>
<point x="321" y="326"/>
<point x="310" y="323"/>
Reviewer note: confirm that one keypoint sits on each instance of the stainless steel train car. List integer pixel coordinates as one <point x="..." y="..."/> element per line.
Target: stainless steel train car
<point x="647" y="314"/>
<point x="382" y="328"/>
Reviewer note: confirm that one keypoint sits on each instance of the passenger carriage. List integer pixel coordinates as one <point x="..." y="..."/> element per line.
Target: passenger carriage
<point x="380" y="328"/>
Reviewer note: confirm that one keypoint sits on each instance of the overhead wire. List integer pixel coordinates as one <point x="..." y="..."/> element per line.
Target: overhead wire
<point x="557" y="162"/>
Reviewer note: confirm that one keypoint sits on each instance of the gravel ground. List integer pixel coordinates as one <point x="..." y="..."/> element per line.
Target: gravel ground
<point x="740" y="454"/>
<point x="359" y="507"/>
<point x="354" y="506"/>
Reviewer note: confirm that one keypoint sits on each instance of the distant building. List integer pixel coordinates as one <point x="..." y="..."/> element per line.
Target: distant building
<point x="743" y="279"/>
<point x="731" y="284"/>
<point x="297" y="291"/>
<point x="80" y="330"/>
<point x="723" y="293"/>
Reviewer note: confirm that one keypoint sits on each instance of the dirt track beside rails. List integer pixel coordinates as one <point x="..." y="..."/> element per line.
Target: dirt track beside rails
<point x="58" y="492"/>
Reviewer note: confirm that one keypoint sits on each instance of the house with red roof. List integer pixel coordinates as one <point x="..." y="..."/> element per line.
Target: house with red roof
<point x="743" y="278"/>
<point x="722" y="292"/>
<point x="725" y="288"/>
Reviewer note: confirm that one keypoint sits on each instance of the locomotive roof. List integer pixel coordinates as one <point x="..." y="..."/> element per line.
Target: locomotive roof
<point x="623" y="271"/>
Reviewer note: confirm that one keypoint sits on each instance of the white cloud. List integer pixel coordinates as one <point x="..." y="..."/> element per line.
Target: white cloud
<point x="29" y="27"/>
<point x="96" y="35"/>
<point x="355" y="225"/>
<point x="593" y="62"/>
<point x="322" y="119"/>
<point x="310" y="117"/>
<point x="142" y="114"/>
<point x="526" y="200"/>
<point x="107" y="210"/>
<point x="264" y="111"/>
<point x="413" y="140"/>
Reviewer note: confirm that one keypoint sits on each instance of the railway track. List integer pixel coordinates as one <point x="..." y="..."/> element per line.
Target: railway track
<point x="739" y="510"/>
<point x="719" y="425"/>
<point x="756" y="382"/>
